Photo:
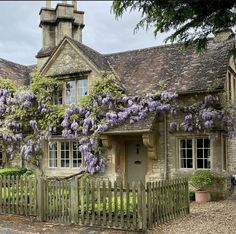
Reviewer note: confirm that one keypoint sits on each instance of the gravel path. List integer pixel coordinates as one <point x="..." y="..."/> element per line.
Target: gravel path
<point x="208" y="218"/>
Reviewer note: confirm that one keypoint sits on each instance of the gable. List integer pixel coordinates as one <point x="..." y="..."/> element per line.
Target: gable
<point x="66" y="60"/>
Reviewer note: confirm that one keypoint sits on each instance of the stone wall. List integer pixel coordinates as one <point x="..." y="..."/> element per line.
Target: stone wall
<point x="232" y="155"/>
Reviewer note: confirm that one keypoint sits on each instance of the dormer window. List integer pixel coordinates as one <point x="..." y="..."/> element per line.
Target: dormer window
<point x="73" y="90"/>
<point x="231" y="88"/>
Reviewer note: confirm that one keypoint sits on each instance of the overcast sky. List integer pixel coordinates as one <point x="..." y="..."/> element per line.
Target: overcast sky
<point x="20" y="36"/>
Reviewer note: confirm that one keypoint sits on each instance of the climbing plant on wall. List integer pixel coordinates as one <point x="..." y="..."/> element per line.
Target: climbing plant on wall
<point x="28" y="117"/>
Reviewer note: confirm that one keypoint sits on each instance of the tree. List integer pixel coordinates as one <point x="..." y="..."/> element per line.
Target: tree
<point x="192" y="21"/>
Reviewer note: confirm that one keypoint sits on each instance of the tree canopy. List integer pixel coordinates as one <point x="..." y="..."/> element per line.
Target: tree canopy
<point x="191" y="21"/>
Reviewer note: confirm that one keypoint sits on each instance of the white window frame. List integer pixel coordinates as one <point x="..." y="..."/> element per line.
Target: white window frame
<point x="203" y="148"/>
<point x="185" y="149"/>
<point x="54" y="158"/>
<point x="78" y="154"/>
<point x="77" y="87"/>
<point x="194" y="151"/>
<point x="59" y="165"/>
<point x="231" y="87"/>
<point x="63" y="154"/>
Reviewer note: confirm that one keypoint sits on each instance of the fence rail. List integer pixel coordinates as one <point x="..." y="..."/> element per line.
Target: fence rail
<point x="95" y="203"/>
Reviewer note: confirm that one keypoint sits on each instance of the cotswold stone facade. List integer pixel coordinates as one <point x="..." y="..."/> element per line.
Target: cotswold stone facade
<point x="147" y="150"/>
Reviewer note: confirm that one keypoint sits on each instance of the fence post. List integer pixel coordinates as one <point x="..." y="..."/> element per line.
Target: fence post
<point x="144" y="207"/>
<point x="74" y="200"/>
<point x="187" y="194"/>
<point x="141" y="207"/>
<point x="40" y="198"/>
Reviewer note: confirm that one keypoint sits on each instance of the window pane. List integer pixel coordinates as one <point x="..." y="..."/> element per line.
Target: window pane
<point x="206" y="153"/>
<point x="65" y="154"/>
<point x="82" y="88"/>
<point x="189" y="153"/>
<point x="200" y="153"/>
<point x="183" y="143"/>
<point x="189" y="163"/>
<point x="207" y="163"/>
<point x="206" y="143"/>
<point x="183" y="153"/>
<point x="77" y="159"/>
<point x="70" y="92"/>
<point x="199" y="143"/>
<point x="189" y="143"/>
<point x="200" y="163"/>
<point x="52" y="154"/>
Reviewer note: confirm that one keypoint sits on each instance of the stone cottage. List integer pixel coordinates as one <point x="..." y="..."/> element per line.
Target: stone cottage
<point x="146" y="150"/>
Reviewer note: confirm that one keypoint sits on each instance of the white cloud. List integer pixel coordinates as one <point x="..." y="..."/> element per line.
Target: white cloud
<point x="20" y="36"/>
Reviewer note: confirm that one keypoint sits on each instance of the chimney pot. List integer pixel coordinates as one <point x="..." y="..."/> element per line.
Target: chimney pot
<point x="48" y="3"/>
<point x="74" y="2"/>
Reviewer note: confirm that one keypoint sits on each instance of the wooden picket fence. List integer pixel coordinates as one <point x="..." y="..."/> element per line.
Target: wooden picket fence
<point x="94" y="202"/>
<point x="17" y="195"/>
<point x="112" y="205"/>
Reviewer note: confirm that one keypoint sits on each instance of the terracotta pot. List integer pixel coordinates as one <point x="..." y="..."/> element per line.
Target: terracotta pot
<point x="202" y="196"/>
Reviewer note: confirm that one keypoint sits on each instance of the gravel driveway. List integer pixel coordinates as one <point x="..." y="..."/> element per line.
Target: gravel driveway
<point x="212" y="217"/>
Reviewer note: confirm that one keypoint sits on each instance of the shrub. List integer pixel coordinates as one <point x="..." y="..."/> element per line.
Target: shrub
<point x="28" y="173"/>
<point x="192" y="196"/>
<point x="202" y="179"/>
<point x="14" y="171"/>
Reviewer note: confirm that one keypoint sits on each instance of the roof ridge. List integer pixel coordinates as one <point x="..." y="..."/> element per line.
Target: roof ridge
<point x="162" y="46"/>
<point x="8" y="61"/>
<point x="142" y="49"/>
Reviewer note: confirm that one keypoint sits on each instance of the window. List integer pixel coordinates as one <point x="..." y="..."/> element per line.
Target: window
<point x="57" y="97"/>
<point x="75" y="89"/>
<point x="52" y="154"/>
<point x="186" y="153"/>
<point x="231" y="87"/>
<point x="77" y="157"/>
<point x="195" y="153"/>
<point x="82" y="88"/>
<point x="203" y="153"/>
<point x="64" y="154"/>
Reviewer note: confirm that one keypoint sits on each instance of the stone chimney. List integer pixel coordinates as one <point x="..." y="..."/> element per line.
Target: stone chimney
<point x="64" y="20"/>
<point x="223" y="34"/>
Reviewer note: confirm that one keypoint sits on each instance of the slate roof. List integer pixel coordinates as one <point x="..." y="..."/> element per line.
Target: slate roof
<point x="98" y="59"/>
<point x="16" y="72"/>
<point x="181" y="71"/>
<point x="45" y="52"/>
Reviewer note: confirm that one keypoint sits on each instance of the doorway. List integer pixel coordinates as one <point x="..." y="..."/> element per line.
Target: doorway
<point x="136" y="161"/>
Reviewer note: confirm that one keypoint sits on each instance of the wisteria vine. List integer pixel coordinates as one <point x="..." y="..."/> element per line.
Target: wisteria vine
<point x="29" y="117"/>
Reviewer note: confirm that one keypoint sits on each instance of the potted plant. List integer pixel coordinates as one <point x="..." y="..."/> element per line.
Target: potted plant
<point x="202" y="180"/>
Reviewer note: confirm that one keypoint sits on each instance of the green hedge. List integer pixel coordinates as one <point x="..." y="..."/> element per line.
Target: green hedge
<point x="13" y="171"/>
